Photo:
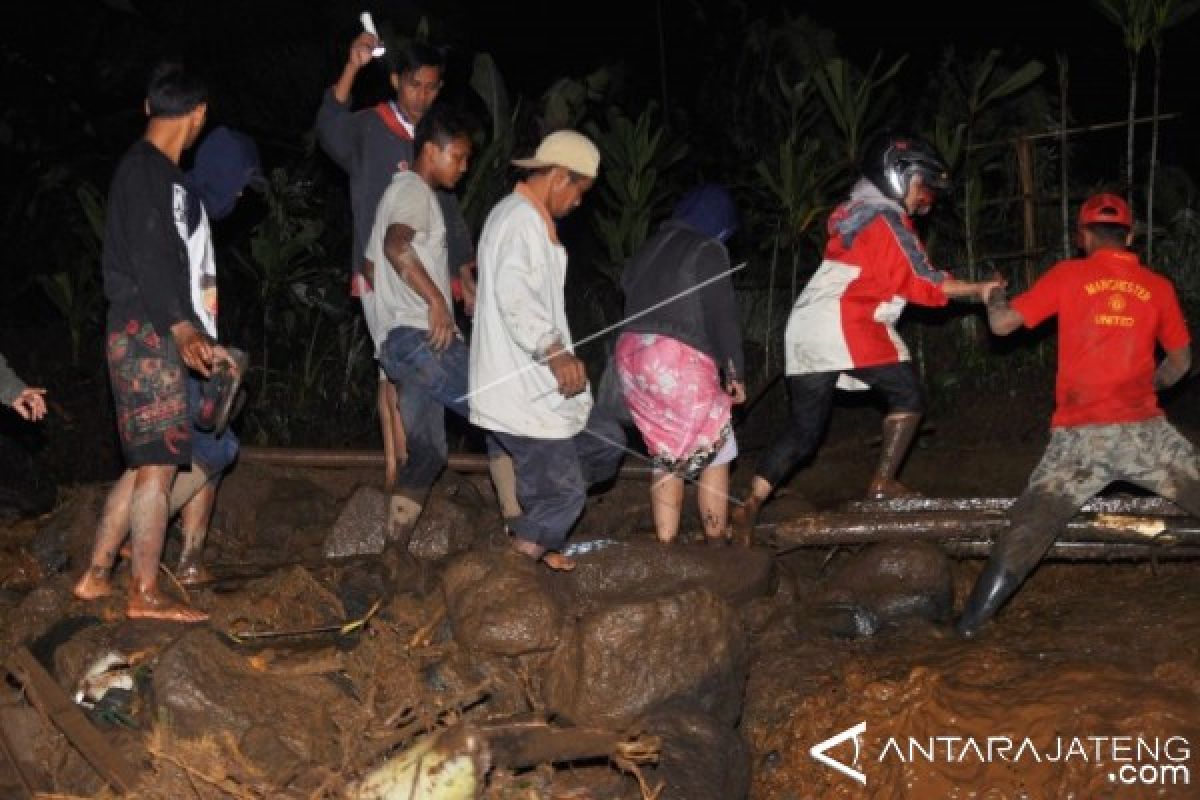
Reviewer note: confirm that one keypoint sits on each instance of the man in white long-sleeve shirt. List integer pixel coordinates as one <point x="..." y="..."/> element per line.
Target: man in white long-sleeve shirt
<point x="526" y="385"/>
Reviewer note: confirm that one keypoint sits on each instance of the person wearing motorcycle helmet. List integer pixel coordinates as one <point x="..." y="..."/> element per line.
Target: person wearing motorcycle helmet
<point x="1113" y="312"/>
<point x="842" y="329"/>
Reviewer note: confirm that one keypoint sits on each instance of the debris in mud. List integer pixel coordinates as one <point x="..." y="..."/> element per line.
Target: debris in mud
<point x="649" y="671"/>
<point x="449" y="765"/>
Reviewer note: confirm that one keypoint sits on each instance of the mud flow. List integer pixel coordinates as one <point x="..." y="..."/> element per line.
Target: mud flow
<point x="459" y="669"/>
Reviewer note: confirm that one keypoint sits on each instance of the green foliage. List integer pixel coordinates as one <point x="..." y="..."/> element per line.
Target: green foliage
<point x="853" y="100"/>
<point x="74" y="288"/>
<point x="635" y="157"/>
<point x="566" y="102"/>
<point x="487" y="181"/>
<point x="284" y="247"/>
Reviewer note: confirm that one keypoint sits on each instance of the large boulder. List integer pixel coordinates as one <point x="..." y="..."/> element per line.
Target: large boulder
<point x="500" y="604"/>
<point x="887" y="582"/>
<point x="64" y="542"/>
<point x="615" y="572"/>
<point x="620" y="661"/>
<point x="360" y="528"/>
<point x="202" y="687"/>
<point x="701" y="759"/>
<point x="450" y="522"/>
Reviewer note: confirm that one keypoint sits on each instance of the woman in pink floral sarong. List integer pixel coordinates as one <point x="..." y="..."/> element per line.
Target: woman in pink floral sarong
<point x="680" y="359"/>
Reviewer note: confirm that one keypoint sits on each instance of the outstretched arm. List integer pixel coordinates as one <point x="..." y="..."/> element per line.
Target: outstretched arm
<point x="1002" y="319"/>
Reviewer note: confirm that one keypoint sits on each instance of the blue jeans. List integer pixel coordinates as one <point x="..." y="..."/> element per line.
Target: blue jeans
<point x="553" y="475"/>
<point x="601" y="445"/>
<point x="211" y="452"/>
<point x="427" y="382"/>
<point x="550" y="487"/>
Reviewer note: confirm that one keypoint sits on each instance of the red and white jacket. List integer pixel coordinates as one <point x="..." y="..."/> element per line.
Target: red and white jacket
<point x="874" y="265"/>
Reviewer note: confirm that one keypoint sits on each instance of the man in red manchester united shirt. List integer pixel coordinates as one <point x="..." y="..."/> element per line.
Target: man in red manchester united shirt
<point x="1107" y="425"/>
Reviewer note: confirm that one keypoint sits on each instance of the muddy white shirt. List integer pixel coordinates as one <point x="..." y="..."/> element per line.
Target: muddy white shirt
<point x="519" y="312"/>
<point x="409" y="201"/>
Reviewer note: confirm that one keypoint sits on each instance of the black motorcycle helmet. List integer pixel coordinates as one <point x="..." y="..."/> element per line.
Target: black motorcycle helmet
<point x="892" y="158"/>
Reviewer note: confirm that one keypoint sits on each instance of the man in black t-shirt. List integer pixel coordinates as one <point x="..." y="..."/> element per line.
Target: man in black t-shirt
<point x="153" y="336"/>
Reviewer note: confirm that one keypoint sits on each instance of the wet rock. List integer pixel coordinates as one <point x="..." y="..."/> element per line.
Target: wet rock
<point x="359" y="585"/>
<point x="618" y="662"/>
<point x="286" y="599"/>
<point x="37" y="613"/>
<point x="620" y="571"/>
<point x="66" y="538"/>
<point x="500" y="604"/>
<point x="888" y="582"/>
<point x="19" y="571"/>
<point x="204" y="687"/>
<point x="702" y="758"/>
<point x="261" y="746"/>
<point x="30" y="735"/>
<point x="449" y="523"/>
<point x="360" y="527"/>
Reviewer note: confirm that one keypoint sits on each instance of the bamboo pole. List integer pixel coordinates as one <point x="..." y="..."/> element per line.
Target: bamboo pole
<point x="465" y="463"/>
<point x="849" y="528"/>
<point x="1029" y="202"/>
<point x="1059" y="132"/>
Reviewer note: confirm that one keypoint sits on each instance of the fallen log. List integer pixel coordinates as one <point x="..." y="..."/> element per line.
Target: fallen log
<point x="1083" y="551"/>
<point x="1157" y="506"/>
<point x="520" y="746"/>
<point x="850" y="528"/>
<point x="464" y="463"/>
<point x="46" y="695"/>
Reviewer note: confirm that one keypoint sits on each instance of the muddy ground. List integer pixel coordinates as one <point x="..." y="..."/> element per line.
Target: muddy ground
<point x="692" y="671"/>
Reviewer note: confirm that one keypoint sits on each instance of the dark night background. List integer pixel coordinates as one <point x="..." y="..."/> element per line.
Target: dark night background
<point x="74" y="73"/>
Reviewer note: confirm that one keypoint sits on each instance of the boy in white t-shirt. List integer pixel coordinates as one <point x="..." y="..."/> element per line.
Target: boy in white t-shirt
<point x="422" y="349"/>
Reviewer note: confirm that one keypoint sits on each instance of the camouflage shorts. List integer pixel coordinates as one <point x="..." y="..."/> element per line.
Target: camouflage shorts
<point x="1080" y="461"/>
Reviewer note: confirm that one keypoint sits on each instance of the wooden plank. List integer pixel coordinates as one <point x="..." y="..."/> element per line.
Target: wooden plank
<point x="49" y="697"/>
<point x="26" y="782"/>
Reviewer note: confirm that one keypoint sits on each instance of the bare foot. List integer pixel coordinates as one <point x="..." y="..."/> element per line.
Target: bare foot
<point x="194" y="573"/>
<point x="93" y="584"/>
<point x="153" y="604"/>
<point x="557" y="561"/>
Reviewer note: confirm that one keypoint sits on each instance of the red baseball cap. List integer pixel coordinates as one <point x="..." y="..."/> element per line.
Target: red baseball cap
<point x="1105" y="207"/>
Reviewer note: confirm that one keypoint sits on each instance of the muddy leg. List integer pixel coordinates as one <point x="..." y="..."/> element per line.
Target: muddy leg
<point x="148" y="517"/>
<point x="504" y="481"/>
<point x="745" y="513"/>
<point x="110" y="532"/>
<point x="666" y="499"/>
<point x="712" y="498"/>
<point x="194" y="519"/>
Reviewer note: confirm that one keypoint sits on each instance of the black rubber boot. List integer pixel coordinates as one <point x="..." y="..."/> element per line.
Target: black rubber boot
<point x="995" y="585"/>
